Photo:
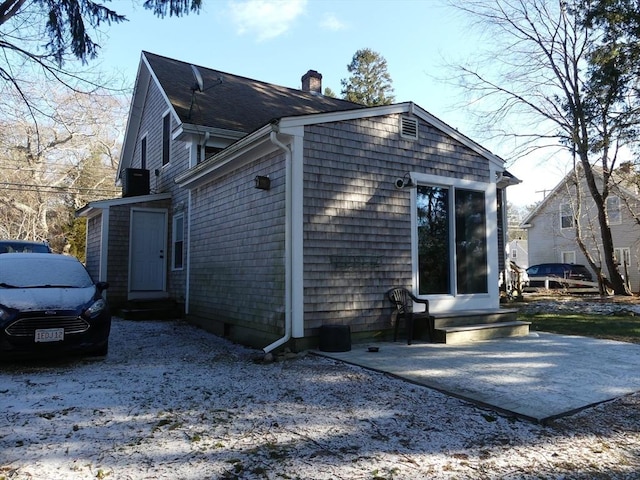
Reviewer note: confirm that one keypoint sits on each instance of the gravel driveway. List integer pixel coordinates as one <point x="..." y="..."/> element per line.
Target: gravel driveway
<point x="172" y="401"/>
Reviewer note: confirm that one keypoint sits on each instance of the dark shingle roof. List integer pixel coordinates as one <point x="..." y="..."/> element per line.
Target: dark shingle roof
<point x="238" y="103"/>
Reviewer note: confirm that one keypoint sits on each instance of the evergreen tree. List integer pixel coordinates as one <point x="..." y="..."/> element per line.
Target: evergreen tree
<point x="369" y="84"/>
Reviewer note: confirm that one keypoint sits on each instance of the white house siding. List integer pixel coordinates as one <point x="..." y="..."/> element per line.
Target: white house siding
<point x="161" y="177"/>
<point x="547" y="241"/>
<point x="357" y="225"/>
<point x="237" y="280"/>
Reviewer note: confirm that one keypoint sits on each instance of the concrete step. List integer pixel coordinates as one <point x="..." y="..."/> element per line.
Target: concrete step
<point x="150" y="310"/>
<point x="484" y="331"/>
<point x="475" y="317"/>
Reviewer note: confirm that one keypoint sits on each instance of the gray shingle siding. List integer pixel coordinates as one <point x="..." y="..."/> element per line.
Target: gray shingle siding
<point x="93" y="245"/>
<point x="237" y="250"/>
<point x="357" y="225"/>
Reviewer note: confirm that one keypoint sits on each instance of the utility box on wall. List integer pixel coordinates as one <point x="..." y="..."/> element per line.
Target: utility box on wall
<point x="135" y="182"/>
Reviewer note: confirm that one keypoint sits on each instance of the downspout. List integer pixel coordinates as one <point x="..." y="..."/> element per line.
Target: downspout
<point x="288" y="274"/>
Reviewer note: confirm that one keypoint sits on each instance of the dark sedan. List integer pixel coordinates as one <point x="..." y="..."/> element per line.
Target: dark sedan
<point x="49" y="305"/>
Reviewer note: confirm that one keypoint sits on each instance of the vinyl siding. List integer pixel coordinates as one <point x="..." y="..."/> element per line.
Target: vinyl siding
<point x="547" y="241"/>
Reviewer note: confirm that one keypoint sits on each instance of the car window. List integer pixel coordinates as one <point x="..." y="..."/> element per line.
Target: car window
<point x="27" y="271"/>
<point x="17" y="247"/>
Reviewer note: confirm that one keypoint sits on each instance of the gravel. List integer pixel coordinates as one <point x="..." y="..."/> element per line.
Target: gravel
<point x="172" y="401"/>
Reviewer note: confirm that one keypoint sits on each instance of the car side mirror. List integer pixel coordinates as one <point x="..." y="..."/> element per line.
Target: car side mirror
<point x="102" y="286"/>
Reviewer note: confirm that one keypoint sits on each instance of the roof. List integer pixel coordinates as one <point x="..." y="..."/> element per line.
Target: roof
<point x="232" y="102"/>
<point x="559" y="189"/>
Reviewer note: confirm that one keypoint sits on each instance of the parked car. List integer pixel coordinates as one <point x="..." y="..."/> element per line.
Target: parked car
<point x="24" y="246"/>
<point x="559" y="270"/>
<point x="49" y="305"/>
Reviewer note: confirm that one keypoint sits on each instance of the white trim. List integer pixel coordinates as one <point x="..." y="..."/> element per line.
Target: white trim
<point x="453" y="301"/>
<point x="176" y="217"/>
<point x="187" y="291"/>
<point x="297" y="232"/>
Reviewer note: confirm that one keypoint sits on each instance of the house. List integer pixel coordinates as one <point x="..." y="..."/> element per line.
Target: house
<point x="268" y="212"/>
<point x="551" y="227"/>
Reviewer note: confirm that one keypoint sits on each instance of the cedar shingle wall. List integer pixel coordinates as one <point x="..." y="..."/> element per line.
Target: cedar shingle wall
<point x="237" y="250"/>
<point x="94" y="232"/>
<point x="357" y="226"/>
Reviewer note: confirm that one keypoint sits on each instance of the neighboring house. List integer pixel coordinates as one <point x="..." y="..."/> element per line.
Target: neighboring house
<point x="269" y="212"/>
<point x="518" y="253"/>
<point x="551" y="227"/>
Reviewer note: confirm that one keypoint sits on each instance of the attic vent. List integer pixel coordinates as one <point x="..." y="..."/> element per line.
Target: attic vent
<point x="409" y="128"/>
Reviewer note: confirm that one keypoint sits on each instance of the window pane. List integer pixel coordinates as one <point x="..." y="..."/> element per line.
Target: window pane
<point x="433" y="240"/>
<point x="178" y="241"/>
<point x="566" y="216"/>
<point x="166" y="134"/>
<point x="471" y="244"/>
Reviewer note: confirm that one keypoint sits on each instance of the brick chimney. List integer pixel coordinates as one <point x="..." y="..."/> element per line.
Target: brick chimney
<point x="312" y="82"/>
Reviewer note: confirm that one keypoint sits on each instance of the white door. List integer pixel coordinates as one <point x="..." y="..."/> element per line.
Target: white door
<point x="147" y="260"/>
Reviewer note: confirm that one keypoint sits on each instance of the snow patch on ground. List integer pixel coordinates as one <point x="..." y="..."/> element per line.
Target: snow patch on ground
<point x="173" y="401"/>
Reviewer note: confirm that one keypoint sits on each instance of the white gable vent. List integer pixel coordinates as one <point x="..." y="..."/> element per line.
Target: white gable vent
<point x="409" y="128"/>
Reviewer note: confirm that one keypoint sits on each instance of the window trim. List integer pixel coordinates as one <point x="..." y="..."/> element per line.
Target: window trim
<point x="144" y="149"/>
<point x="563" y="215"/>
<point x="440" y="302"/>
<point x="618" y="209"/>
<point x="174" y="240"/>
<point x="563" y="255"/>
<point x="166" y="139"/>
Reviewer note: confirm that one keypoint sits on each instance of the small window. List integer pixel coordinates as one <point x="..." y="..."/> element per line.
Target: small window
<point x="166" y="138"/>
<point x="178" y="242"/>
<point x="613" y="210"/>
<point x="409" y="128"/>
<point x="143" y="153"/>
<point x="568" y="257"/>
<point x="623" y="257"/>
<point x="567" y="219"/>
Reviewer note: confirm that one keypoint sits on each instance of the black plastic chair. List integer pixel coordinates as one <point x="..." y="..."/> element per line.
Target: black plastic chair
<point x="403" y="300"/>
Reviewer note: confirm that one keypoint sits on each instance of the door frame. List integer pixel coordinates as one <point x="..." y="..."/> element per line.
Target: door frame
<point x="162" y="293"/>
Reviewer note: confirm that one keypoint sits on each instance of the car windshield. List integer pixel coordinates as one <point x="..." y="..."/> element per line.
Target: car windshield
<point x="18" y="247"/>
<point x="42" y="270"/>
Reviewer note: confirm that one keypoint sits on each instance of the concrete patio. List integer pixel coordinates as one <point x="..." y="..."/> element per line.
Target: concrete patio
<point x="538" y="377"/>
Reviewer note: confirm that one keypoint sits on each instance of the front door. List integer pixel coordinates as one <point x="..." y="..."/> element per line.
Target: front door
<point x="147" y="260"/>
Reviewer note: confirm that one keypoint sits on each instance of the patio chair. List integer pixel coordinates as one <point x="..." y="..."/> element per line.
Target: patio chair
<point x="403" y="300"/>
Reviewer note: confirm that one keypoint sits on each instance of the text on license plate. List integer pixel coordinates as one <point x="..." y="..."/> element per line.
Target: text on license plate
<point x="49" y="335"/>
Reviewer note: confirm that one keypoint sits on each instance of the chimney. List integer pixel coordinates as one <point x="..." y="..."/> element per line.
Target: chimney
<point x="312" y="82"/>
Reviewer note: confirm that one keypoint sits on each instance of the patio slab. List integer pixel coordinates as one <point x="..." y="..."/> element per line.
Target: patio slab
<point x="538" y="377"/>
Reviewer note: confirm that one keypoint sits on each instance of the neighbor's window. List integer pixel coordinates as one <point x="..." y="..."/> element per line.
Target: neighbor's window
<point x="568" y="257"/>
<point x="166" y="138"/>
<point x="567" y="219"/>
<point x="463" y="216"/>
<point x="623" y="257"/>
<point x="178" y="242"/>
<point x="613" y="210"/>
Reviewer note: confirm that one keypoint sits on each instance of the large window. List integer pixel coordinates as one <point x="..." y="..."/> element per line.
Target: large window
<point x="443" y="212"/>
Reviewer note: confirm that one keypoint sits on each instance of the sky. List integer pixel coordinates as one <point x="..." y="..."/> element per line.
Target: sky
<point x="278" y="41"/>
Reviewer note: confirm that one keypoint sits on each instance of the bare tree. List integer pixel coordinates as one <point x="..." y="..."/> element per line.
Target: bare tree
<point x="70" y="161"/>
<point x="541" y="76"/>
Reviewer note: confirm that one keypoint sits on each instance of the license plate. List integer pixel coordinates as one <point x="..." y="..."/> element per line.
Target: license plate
<point x="49" y="335"/>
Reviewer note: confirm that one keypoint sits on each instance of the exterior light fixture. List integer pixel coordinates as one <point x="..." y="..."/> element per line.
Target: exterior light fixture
<point x="405" y="182"/>
<point x="263" y="183"/>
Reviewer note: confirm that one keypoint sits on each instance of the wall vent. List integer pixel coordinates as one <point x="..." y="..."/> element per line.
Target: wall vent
<point x="409" y="128"/>
<point x="135" y="182"/>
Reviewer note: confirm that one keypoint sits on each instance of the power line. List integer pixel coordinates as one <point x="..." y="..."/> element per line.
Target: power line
<point x="23" y="187"/>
